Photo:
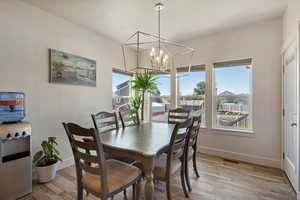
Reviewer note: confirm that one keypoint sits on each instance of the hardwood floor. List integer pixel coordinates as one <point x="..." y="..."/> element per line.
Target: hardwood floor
<point x="219" y="180"/>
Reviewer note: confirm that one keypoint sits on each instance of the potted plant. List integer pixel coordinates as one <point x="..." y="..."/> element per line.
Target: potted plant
<point x="46" y="160"/>
<point x="143" y="83"/>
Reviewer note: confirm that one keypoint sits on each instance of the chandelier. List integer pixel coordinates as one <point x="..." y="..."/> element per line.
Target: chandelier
<point x="159" y="59"/>
<point x="151" y="52"/>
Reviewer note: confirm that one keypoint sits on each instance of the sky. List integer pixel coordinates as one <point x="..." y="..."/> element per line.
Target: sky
<point x="233" y="79"/>
<point x="163" y="83"/>
<point x="188" y="81"/>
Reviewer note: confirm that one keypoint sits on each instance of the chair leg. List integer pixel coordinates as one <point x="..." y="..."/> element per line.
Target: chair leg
<point x="138" y="189"/>
<point x="134" y="192"/>
<point x="182" y="170"/>
<point x="195" y="163"/>
<point x="125" y="194"/>
<point x="79" y="193"/>
<point x="169" y="197"/>
<point x="187" y="176"/>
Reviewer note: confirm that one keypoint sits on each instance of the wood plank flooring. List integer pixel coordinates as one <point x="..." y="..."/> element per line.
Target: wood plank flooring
<point x="219" y="180"/>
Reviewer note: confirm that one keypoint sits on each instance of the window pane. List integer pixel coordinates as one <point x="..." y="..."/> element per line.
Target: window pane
<point x="232" y="97"/>
<point x="120" y="89"/>
<point x="161" y="98"/>
<point x="191" y="92"/>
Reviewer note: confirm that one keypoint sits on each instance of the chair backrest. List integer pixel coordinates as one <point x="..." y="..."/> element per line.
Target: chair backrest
<point x="105" y="121"/>
<point x="129" y="117"/>
<point x="178" y="141"/>
<point x="178" y="115"/>
<point x="85" y="161"/>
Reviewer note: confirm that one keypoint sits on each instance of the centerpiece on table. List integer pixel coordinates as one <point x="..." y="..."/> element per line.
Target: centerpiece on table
<point x="142" y="83"/>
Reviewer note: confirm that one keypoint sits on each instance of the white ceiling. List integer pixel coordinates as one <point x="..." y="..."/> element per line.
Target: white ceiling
<point x="181" y="19"/>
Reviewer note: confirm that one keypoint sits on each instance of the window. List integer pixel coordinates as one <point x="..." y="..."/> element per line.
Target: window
<point x="161" y="98"/>
<point x="120" y="88"/>
<point x="232" y="95"/>
<point x="191" y="90"/>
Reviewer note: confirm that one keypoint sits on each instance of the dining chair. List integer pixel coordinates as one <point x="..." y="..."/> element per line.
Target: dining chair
<point x="102" y="178"/>
<point x="128" y="116"/>
<point x="169" y="163"/>
<point x="191" y="149"/>
<point x="105" y="121"/>
<point x="178" y="115"/>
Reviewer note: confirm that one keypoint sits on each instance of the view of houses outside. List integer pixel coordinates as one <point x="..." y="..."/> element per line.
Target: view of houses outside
<point x="232" y="90"/>
<point x="191" y="92"/>
<point x="232" y="94"/>
<point x="120" y="89"/>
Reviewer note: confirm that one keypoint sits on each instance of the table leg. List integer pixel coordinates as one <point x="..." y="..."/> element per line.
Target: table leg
<point x="149" y="186"/>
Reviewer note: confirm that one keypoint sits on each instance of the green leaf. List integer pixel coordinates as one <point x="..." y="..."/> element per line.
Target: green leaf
<point x="37" y="156"/>
<point x="49" y="153"/>
<point x="144" y="82"/>
<point x="135" y="102"/>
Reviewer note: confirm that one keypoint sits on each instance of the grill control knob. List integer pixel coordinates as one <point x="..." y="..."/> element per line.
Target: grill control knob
<point x="17" y="134"/>
<point x="8" y="136"/>
<point x="24" y="133"/>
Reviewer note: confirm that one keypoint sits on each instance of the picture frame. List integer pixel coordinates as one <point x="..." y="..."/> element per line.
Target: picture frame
<point x="66" y="68"/>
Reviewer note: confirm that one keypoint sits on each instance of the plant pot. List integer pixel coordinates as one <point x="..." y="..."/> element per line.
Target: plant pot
<point x="46" y="173"/>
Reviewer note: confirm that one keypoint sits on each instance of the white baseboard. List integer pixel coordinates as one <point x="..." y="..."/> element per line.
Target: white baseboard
<point x="66" y="163"/>
<point x="241" y="156"/>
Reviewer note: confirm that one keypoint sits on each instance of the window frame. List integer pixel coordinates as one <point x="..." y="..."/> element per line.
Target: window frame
<point x="233" y="63"/>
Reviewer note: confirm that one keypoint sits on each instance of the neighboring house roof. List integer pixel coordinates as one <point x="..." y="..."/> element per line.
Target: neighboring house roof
<point x="124" y="84"/>
<point x="243" y="95"/>
<point x="226" y="94"/>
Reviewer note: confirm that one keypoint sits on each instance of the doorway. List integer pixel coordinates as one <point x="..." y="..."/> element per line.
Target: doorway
<point x="290" y="115"/>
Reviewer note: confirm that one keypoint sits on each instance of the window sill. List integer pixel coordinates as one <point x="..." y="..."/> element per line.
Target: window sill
<point x="233" y="132"/>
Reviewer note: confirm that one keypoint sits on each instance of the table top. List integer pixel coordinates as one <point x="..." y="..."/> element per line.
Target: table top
<point x="147" y="138"/>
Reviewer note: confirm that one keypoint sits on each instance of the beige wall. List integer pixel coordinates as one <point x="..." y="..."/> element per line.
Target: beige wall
<point x="262" y="42"/>
<point x="25" y="36"/>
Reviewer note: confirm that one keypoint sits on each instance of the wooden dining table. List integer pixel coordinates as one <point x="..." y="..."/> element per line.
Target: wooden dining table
<point x="142" y="143"/>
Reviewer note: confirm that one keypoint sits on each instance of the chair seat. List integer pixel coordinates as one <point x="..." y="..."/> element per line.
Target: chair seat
<point x="119" y="174"/>
<point x="161" y="166"/>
